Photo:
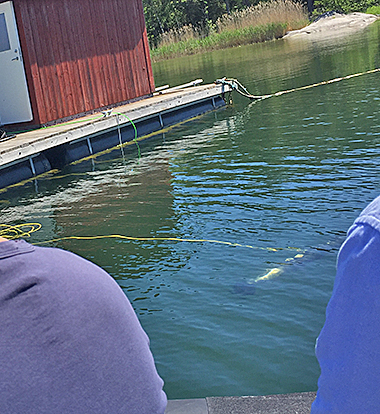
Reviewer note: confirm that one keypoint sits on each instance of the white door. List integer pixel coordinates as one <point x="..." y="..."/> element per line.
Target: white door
<point x="14" y="97"/>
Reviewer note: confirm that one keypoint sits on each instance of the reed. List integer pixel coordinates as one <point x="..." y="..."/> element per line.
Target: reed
<point x="274" y="11"/>
<point x="265" y="21"/>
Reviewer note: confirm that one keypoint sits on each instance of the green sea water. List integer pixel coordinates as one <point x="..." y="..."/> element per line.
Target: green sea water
<point x="277" y="178"/>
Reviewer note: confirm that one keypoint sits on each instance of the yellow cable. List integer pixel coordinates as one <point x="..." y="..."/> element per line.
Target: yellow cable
<point x="17" y="231"/>
<point x="177" y="239"/>
<point x="26" y="229"/>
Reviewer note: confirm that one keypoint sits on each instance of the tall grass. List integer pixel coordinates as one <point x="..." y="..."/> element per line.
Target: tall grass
<point x="265" y="21"/>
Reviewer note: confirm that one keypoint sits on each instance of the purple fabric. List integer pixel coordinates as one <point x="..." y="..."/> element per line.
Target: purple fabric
<point x="70" y="341"/>
<point x="348" y="347"/>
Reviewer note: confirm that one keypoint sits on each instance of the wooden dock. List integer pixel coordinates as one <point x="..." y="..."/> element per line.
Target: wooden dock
<point x="29" y="154"/>
<point x="297" y="403"/>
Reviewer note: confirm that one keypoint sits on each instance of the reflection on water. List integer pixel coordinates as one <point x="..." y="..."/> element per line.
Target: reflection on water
<point x="285" y="176"/>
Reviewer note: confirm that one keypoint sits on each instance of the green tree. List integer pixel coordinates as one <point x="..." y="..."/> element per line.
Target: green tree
<point x="344" y="6"/>
<point x="164" y="15"/>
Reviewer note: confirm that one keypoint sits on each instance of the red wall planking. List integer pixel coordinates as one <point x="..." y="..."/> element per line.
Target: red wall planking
<point x="83" y="55"/>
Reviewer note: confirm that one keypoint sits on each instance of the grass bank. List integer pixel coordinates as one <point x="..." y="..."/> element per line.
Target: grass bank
<point x="265" y="21"/>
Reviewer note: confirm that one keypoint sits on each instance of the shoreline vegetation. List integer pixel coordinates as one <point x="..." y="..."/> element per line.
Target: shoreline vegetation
<point x="265" y="21"/>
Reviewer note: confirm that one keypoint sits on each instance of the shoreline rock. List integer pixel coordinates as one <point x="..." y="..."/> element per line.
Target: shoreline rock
<point x="334" y="25"/>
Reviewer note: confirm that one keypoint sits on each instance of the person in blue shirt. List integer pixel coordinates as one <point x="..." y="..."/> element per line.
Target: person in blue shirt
<point x="70" y="341"/>
<point x="348" y="347"/>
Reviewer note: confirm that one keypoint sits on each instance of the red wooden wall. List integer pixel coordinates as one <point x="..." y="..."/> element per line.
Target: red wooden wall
<point x="82" y="55"/>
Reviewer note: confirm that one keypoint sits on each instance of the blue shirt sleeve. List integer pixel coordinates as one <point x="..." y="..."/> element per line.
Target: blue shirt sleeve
<point x="348" y="348"/>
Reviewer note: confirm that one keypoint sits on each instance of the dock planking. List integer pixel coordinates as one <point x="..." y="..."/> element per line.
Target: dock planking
<point x="61" y="144"/>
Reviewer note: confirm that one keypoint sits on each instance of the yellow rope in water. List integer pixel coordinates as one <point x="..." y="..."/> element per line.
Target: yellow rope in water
<point x="18" y="231"/>
<point x="25" y="230"/>
<point x="176" y="239"/>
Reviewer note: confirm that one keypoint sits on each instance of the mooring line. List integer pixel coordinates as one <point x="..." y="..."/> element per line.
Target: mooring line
<point x="238" y="87"/>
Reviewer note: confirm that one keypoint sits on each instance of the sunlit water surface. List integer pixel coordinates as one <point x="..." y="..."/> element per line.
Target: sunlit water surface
<point x="280" y="177"/>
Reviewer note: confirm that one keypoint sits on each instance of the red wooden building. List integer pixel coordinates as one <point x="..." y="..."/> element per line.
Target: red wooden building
<point x="60" y="58"/>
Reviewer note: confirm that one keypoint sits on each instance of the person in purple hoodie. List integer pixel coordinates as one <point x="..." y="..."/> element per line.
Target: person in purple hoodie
<point x="70" y="341"/>
<point x="348" y="347"/>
